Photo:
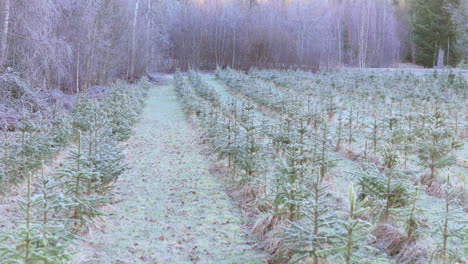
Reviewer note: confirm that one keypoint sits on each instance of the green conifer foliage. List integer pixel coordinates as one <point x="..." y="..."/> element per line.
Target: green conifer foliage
<point x="450" y="229"/>
<point x="313" y="233"/>
<point x="433" y="30"/>
<point x="76" y="178"/>
<point x="250" y="155"/>
<point x="40" y="239"/>
<point x="352" y="235"/>
<point x="437" y="143"/>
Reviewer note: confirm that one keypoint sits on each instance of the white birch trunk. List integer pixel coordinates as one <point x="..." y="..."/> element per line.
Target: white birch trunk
<point x="132" y="66"/>
<point x="4" y="40"/>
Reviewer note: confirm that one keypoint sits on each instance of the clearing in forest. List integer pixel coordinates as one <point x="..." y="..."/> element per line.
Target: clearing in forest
<point x="169" y="208"/>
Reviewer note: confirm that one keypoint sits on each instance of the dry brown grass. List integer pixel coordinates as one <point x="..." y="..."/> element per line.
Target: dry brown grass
<point x="269" y="222"/>
<point x="413" y="253"/>
<point x="464" y="134"/>
<point x="348" y="153"/>
<point x="389" y="239"/>
<point x="434" y="187"/>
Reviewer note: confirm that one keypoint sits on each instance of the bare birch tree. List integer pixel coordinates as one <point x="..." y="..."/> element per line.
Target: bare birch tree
<point x="4" y="38"/>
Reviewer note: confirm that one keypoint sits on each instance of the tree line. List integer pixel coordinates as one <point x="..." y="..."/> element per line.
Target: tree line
<point x="71" y="44"/>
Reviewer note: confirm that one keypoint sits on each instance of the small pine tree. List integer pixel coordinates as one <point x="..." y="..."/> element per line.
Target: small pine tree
<point x="82" y="113"/>
<point x="292" y="179"/>
<point x="339" y="132"/>
<point x="437" y="143"/>
<point x="388" y="189"/>
<point x="120" y="113"/>
<point x="352" y="236"/>
<point x="39" y="240"/>
<point x="103" y="155"/>
<point x="250" y="155"/>
<point x="321" y="157"/>
<point x="59" y="129"/>
<point x="411" y="216"/>
<point x="75" y="179"/>
<point x="451" y="229"/>
<point x="312" y="233"/>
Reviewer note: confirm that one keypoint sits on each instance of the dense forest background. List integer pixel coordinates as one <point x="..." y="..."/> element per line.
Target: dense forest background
<point x="70" y="44"/>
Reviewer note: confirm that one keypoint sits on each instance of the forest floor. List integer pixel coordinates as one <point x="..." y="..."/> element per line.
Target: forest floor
<point x="168" y="207"/>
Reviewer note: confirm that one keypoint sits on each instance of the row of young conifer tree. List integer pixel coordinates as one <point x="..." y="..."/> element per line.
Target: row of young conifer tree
<point x="281" y="147"/>
<point x="60" y="205"/>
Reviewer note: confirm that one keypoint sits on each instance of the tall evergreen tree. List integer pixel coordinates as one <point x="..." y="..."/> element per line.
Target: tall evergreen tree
<point x="433" y="30"/>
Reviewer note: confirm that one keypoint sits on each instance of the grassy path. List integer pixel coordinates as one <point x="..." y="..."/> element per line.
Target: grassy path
<point x="170" y="208"/>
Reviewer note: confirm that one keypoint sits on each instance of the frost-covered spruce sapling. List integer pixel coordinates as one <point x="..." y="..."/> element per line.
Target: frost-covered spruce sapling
<point x="231" y="146"/>
<point x="411" y="224"/>
<point x="250" y="155"/>
<point x="232" y="134"/>
<point x="331" y="106"/>
<point x="212" y="122"/>
<point x="339" y="132"/>
<point x="392" y="123"/>
<point x="75" y="179"/>
<point x="35" y="241"/>
<point x="386" y="188"/>
<point x="323" y="160"/>
<point x="411" y="216"/>
<point x="50" y="206"/>
<point x="290" y="172"/>
<point x="317" y="119"/>
<point x="120" y="112"/>
<point x="82" y="113"/>
<point x="21" y="154"/>
<point x="32" y="147"/>
<point x="451" y="229"/>
<point x="313" y="232"/>
<point x="141" y="94"/>
<point x="357" y="118"/>
<point x="27" y="125"/>
<point x="436" y="143"/>
<point x="282" y="135"/>
<point x="50" y="201"/>
<point x="375" y="133"/>
<point x="352" y="236"/>
<point x="292" y="180"/>
<point x="105" y="158"/>
<point x="20" y="246"/>
<point x="308" y="103"/>
<point x="101" y="152"/>
<point x="178" y="81"/>
<point x="350" y="127"/>
<point x="60" y="126"/>
<point x="303" y="139"/>
<point x="407" y="146"/>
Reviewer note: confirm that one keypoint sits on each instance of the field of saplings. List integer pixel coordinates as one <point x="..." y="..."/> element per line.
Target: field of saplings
<point x="349" y="167"/>
<point x="57" y="205"/>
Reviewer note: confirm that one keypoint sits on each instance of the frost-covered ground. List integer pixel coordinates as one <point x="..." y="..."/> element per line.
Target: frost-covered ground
<point x="169" y="208"/>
